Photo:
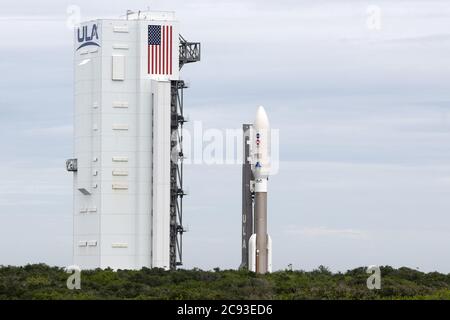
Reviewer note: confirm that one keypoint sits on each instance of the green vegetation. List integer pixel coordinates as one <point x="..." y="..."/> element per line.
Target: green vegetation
<point x="43" y="282"/>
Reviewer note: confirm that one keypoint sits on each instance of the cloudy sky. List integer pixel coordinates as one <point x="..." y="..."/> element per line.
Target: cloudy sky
<point x="363" y="114"/>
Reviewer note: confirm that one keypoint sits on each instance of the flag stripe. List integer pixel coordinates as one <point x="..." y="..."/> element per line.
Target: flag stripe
<point x="167" y="49"/>
<point x="159" y="59"/>
<point x="170" y="61"/>
<point x="162" y="49"/>
<point x="153" y="57"/>
<point x="148" y="60"/>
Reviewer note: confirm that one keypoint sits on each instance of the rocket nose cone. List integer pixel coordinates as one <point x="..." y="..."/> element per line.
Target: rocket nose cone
<point x="262" y="121"/>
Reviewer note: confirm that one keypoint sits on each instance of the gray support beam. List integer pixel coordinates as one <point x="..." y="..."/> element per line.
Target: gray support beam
<point x="189" y="52"/>
<point x="247" y="197"/>
<point x="176" y="175"/>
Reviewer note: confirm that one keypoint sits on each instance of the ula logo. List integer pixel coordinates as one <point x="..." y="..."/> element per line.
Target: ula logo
<point x="87" y="38"/>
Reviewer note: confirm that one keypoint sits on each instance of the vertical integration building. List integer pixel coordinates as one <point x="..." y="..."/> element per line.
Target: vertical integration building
<point x="128" y="156"/>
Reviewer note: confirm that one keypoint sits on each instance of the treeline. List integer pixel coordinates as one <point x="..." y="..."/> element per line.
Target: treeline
<point x="40" y="281"/>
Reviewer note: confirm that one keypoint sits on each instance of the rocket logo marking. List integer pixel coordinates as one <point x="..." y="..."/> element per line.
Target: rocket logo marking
<point x="85" y="39"/>
<point x="258" y="141"/>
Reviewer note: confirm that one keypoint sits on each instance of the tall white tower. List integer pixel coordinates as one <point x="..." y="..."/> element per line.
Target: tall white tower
<point x="127" y="186"/>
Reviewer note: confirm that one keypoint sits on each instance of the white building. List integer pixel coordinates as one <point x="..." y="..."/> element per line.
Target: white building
<point x="126" y="192"/>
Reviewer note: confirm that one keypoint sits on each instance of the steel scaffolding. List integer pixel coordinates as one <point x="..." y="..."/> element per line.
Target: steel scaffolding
<point x="189" y="52"/>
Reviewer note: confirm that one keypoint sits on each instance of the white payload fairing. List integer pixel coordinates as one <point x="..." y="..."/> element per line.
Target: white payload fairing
<point x="259" y="247"/>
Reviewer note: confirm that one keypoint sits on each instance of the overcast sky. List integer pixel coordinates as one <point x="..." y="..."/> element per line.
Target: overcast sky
<point x="363" y="114"/>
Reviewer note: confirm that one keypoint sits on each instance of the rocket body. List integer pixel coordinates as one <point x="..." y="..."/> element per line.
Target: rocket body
<point x="262" y="262"/>
<point x="260" y="246"/>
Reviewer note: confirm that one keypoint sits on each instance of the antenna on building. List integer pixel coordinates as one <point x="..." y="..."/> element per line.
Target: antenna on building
<point x="129" y="12"/>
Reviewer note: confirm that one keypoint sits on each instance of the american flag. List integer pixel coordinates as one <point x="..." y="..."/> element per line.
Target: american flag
<point x="159" y="49"/>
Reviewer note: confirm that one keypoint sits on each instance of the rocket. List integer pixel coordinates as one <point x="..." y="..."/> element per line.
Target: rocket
<point x="259" y="245"/>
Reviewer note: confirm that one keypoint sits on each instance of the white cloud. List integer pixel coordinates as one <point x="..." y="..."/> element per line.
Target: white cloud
<point x="28" y="179"/>
<point x="325" y="232"/>
<point x="65" y="130"/>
